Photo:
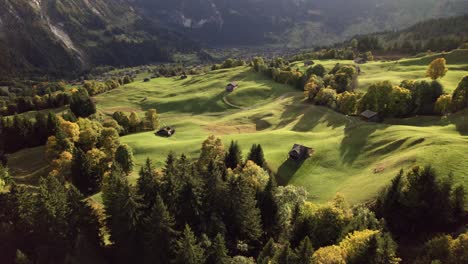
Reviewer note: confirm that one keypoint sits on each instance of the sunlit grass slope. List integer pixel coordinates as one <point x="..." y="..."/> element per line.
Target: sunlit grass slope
<point x="351" y="157"/>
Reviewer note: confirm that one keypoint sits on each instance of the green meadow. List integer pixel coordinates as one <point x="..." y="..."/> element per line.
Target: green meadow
<point x="352" y="157"/>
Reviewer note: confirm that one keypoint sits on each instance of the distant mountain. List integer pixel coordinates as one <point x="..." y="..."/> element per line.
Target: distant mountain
<point x="67" y="35"/>
<point x="295" y="23"/>
<point x="442" y="34"/>
<point x="70" y="35"/>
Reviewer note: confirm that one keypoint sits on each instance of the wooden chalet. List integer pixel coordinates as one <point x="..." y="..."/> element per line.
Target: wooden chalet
<point x="166" y="132"/>
<point x="300" y="152"/>
<point x="231" y="87"/>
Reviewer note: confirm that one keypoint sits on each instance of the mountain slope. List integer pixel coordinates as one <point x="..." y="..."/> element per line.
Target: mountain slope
<point x="67" y="35"/>
<point x="297" y="23"/>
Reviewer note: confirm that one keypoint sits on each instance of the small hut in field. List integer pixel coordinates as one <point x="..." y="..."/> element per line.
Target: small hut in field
<point x="300" y="152"/>
<point x="166" y="132"/>
<point x="370" y="116"/>
<point x="231" y="87"/>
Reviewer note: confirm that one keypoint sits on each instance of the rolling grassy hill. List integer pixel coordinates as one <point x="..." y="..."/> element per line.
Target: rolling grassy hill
<point x="351" y="157"/>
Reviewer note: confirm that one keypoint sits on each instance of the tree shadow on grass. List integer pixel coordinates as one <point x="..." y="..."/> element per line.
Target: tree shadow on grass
<point x="355" y="139"/>
<point x="287" y="170"/>
<point x="195" y="105"/>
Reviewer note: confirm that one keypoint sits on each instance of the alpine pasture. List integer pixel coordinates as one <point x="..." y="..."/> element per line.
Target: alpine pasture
<point x="352" y="157"/>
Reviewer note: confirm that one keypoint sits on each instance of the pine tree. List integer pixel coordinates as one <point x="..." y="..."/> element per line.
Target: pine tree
<point x="256" y="155"/>
<point x="189" y="204"/>
<point x="286" y="255"/>
<point x="268" y="252"/>
<point x="123" y="216"/>
<point x="304" y="251"/>
<point x="218" y="252"/>
<point x="80" y="171"/>
<point x="246" y="216"/>
<point x="268" y="205"/>
<point x="159" y="233"/>
<point x="189" y="250"/>
<point x="169" y="186"/>
<point x="124" y="158"/>
<point x="233" y="157"/>
<point x="147" y="187"/>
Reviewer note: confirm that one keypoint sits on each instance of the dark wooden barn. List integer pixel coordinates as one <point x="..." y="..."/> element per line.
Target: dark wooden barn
<point x="231" y="87"/>
<point x="166" y="132"/>
<point x="300" y="152"/>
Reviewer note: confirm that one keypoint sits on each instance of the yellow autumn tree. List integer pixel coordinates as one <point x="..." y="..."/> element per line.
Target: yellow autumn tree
<point x="61" y="166"/>
<point x="70" y="129"/>
<point x="437" y="69"/>
<point x="212" y="150"/>
<point x="329" y="255"/>
<point x="443" y="104"/>
<point x="151" y="119"/>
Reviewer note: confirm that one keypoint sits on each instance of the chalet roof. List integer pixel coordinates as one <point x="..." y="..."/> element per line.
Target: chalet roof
<point x="369" y="114"/>
<point x="300" y="152"/>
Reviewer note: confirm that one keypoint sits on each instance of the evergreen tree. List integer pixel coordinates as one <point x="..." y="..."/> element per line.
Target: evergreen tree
<point x="189" y="250"/>
<point x="233" y="157"/>
<point x="268" y="252"/>
<point x="218" y="252"/>
<point x="124" y="158"/>
<point x="147" y="186"/>
<point x="256" y="155"/>
<point x="189" y="204"/>
<point x="159" y="233"/>
<point x="123" y="216"/>
<point x="304" y="251"/>
<point x="268" y="206"/>
<point x="246" y="216"/>
<point x="286" y="255"/>
<point x="80" y="171"/>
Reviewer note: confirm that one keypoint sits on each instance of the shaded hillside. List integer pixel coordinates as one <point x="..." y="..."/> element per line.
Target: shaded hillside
<point x="293" y="22"/>
<point x="441" y="34"/>
<point x="69" y="35"/>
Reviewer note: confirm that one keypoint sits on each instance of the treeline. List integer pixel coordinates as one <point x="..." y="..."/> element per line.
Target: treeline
<point x="20" y="131"/>
<point x="443" y="34"/>
<point x="228" y="63"/>
<point x="336" y="89"/>
<point x="219" y="208"/>
<point x="132" y="123"/>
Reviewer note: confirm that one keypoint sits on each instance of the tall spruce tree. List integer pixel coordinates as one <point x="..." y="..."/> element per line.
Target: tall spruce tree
<point x="304" y="251"/>
<point x="268" y="206"/>
<point x="189" y="250"/>
<point x="123" y="216"/>
<point x="286" y="255"/>
<point x="218" y="252"/>
<point x="256" y="155"/>
<point x="160" y="234"/>
<point x="246" y="218"/>
<point x="80" y="171"/>
<point x="147" y="186"/>
<point x="233" y="157"/>
<point x="268" y="252"/>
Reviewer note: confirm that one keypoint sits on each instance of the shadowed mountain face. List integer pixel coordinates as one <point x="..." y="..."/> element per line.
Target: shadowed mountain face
<point x="297" y="23"/>
<point x="68" y="35"/>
